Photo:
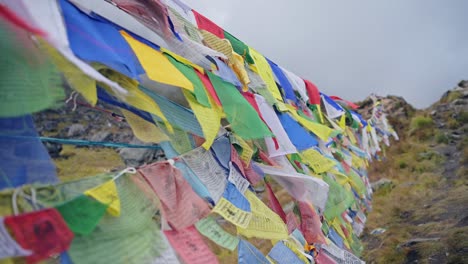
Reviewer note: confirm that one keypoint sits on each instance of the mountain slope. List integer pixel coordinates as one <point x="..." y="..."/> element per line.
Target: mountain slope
<point x="424" y="205"/>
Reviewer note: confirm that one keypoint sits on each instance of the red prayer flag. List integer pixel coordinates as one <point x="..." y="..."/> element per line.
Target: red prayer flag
<point x="313" y="92"/>
<point x="209" y="87"/>
<point x="310" y="224"/>
<point x="208" y="25"/>
<point x="274" y="204"/>
<point x="44" y="232"/>
<point x="349" y="103"/>
<point x="181" y="206"/>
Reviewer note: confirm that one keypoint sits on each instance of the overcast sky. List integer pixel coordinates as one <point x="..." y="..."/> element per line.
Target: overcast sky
<point x="417" y="49"/>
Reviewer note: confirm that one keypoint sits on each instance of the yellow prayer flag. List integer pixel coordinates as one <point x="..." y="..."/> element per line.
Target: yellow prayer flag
<point x="247" y="151"/>
<point x="297" y="251"/>
<point x="343" y="122"/>
<point x="134" y="97"/>
<point x="144" y="130"/>
<point x="322" y="131"/>
<point x="232" y="214"/>
<point x="237" y="65"/>
<point x="209" y="118"/>
<point x="107" y="194"/>
<point x="266" y="73"/>
<point x="157" y="66"/>
<point x="264" y="223"/>
<point x="317" y="161"/>
<point x="218" y="44"/>
<point x="78" y="81"/>
<point x="351" y="136"/>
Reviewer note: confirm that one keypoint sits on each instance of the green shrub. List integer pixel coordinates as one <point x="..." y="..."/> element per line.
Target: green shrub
<point x="441" y="138"/>
<point x="463" y="117"/>
<point x="421" y="122"/>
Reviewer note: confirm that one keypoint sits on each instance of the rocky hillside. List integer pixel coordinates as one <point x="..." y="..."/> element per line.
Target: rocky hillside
<point x="420" y="206"/>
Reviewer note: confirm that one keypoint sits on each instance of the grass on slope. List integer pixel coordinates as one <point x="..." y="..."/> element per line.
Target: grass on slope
<point x="422" y="204"/>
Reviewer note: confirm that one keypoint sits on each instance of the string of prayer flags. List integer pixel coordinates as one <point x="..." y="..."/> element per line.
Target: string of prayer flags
<point x="264" y="223"/>
<point x="247" y="254"/>
<point x="43" y="232"/>
<point x="107" y="194"/>
<point x="8" y="246"/>
<point x="212" y="230"/>
<point x="282" y="254"/>
<point x="189" y="245"/>
<point x="240" y="114"/>
<point x="181" y="206"/>
<point x="82" y="214"/>
<point x="108" y="46"/>
<point x="157" y="66"/>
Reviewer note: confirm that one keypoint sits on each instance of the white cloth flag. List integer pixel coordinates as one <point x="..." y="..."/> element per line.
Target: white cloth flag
<point x="300" y="186"/>
<point x="332" y="111"/>
<point x="297" y="83"/>
<point x="270" y="117"/>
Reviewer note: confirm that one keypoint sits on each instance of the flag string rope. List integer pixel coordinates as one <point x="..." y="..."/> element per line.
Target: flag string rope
<point x="81" y="142"/>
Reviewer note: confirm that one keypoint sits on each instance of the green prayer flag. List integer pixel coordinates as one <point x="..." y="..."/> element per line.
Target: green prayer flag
<point x="241" y="115"/>
<point x="29" y="80"/>
<point x="239" y="47"/>
<point x="82" y="214"/>
<point x="198" y="87"/>
<point x="339" y="199"/>
<point x="210" y="229"/>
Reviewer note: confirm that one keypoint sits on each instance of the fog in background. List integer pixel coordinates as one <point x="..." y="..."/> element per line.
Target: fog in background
<point x="412" y="48"/>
